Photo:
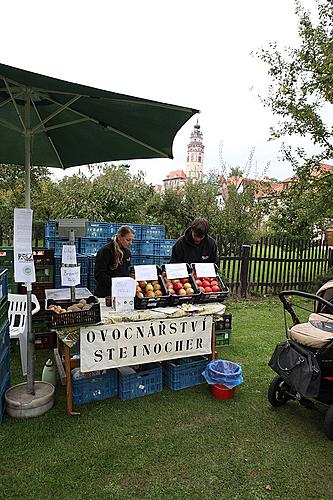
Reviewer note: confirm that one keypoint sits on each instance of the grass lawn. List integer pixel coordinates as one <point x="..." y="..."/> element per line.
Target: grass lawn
<point x="176" y="444"/>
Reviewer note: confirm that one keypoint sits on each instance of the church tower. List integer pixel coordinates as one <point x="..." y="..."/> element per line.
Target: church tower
<point x="195" y="155"/>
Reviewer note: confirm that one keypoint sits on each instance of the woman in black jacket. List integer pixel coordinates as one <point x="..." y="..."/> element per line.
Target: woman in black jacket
<point x="113" y="260"/>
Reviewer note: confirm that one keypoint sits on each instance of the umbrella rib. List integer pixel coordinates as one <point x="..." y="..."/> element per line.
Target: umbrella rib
<point x="55" y="113"/>
<point x="49" y="138"/>
<point x="10" y="125"/>
<point x="15" y="105"/>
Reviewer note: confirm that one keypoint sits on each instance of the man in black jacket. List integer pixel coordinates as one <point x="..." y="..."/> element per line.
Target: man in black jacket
<point x="195" y="245"/>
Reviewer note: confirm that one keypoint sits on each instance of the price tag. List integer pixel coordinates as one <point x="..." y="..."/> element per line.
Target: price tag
<point x="70" y="276"/>
<point x="123" y="287"/>
<point x="143" y="273"/>
<point x="68" y="254"/>
<point x="174" y="271"/>
<point x="205" y="270"/>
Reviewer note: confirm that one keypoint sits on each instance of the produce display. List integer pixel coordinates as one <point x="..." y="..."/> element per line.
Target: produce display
<point x="65" y="313"/>
<point x="80" y="306"/>
<point x="207" y="285"/>
<point x="181" y="286"/>
<point x="149" y="289"/>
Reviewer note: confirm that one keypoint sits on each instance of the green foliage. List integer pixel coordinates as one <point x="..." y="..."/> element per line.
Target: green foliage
<point x="301" y="94"/>
<point x="303" y="209"/>
<point x="237" y="219"/>
<point x="302" y="80"/>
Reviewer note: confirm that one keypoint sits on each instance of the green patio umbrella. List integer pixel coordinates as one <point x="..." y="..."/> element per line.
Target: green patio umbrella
<point x="49" y="122"/>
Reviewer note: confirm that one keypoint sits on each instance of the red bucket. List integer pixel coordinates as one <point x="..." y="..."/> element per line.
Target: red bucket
<point x="220" y="391"/>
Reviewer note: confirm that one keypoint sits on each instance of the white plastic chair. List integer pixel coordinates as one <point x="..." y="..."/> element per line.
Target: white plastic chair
<point x="18" y="325"/>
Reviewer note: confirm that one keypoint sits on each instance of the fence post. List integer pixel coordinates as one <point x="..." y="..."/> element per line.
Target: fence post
<point x="244" y="270"/>
<point x="330" y="257"/>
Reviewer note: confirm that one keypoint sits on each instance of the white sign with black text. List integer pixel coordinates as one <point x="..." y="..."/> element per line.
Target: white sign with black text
<point x="126" y="344"/>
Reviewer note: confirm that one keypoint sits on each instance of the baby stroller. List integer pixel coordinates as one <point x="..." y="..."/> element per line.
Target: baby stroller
<point x="304" y="363"/>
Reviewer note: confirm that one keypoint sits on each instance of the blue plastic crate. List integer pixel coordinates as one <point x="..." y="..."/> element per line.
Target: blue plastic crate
<point x="4" y="385"/>
<point x="152" y="232"/>
<point x="84" y="281"/>
<point x="82" y="261"/>
<point x="166" y="247"/>
<point x="135" y="248"/>
<point x="144" y="382"/>
<point x="156" y="260"/>
<point x="57" y="243"/>
<point x="156" y="247"/>
<point x="90" y="246"/>
<point x="96" y="387"/>
<point x="50" y="229"/>
<point x="185" y="372"/>
<point x="3" y="284"/>
<point x="149" y="247"/>
<point x="99" y="230"/>
<point x="4" y="364"/>
<point x="4" y="337"/>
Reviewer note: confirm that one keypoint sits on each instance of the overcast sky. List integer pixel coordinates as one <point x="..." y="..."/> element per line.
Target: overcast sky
<point x="185" y="52"/>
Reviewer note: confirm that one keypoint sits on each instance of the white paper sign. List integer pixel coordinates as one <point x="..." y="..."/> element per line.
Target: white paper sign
<point x="70" y="276"/>
<point x="205" y="270"/>
<point x="24" y="269"/>
<point x="174" y="271"/>
<point x="145" y="273"/>
<point x="125" y="344"/>
<point x="123" y="287"/>
<point x="69" y="254"/>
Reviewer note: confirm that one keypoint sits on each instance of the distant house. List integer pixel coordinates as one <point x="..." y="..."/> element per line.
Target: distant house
<point x="175" y="179"/>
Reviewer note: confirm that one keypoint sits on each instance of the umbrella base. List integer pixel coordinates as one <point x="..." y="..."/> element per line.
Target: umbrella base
<point x="20" y="404"/>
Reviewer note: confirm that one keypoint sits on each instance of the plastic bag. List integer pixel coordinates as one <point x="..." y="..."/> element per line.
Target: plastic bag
<point x="221" y="371"/>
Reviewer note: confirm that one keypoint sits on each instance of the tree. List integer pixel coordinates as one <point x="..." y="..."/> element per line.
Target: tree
<point x="302" y="83"/>
<point x="300" y="94"/>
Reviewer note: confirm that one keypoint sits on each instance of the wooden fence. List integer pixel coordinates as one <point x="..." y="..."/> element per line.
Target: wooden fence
<point x="273" y="264"/>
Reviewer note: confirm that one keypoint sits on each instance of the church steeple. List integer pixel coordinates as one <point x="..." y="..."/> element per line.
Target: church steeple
<point x="195" y="155"/>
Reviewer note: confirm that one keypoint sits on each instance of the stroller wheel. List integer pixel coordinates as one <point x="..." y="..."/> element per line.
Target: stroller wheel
<point x="328" y="422"/>
<point x="278" y="392"/>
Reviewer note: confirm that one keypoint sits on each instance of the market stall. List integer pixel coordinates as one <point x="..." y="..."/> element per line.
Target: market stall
<point x="142" y="337"/>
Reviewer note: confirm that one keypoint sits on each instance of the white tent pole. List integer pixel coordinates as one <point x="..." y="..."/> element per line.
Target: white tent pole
<point x="31" y="337"/>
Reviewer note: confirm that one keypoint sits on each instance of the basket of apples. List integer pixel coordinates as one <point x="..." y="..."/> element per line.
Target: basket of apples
<point x="212" y="289"/>
<point x="151" y="293"/>
<point x="181" y="289"/>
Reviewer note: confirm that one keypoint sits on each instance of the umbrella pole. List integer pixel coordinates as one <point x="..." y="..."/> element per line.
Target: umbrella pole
<point x="31" y="337"/>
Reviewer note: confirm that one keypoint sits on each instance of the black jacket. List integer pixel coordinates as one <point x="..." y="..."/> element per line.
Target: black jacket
<point x="185" y="250"/>
<point x="104" y="263"/>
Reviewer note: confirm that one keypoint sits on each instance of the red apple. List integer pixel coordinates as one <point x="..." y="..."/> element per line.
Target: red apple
<point x="214" y="283"/>
<point x="150" y="293"/>
<point x="189" y="291"/>
<point x="201" y="288"/>
<point x="216" y="288"/>
<point x="177" y="286"/>
<point x="198" y="282"/>
<point x="181" y="291"/>
<point x="184" y="280"/>
<point x="171" y="291"/>
<point x="208" y="289"/>
<point x="205" y="283"/>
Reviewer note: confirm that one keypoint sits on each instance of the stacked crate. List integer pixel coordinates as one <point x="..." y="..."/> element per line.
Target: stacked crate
<point x="4" y="340"/>
<point x="222" y="334"/>
<point x="44" y="267"/>
<point x="82" y="261"/>
<point x="7" y="261"/>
